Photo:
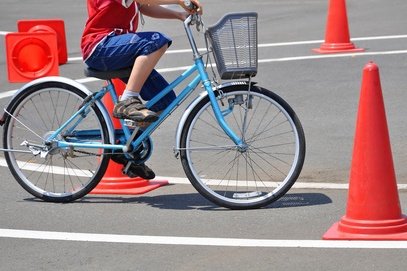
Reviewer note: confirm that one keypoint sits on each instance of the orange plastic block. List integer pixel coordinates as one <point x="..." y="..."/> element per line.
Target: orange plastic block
<point x="43" y="25"/>
<point x="31" y="56"/>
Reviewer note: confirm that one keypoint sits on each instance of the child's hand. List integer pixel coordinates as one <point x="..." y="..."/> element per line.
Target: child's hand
<point x="197" y="7"/>
<point x="183" y="15"/>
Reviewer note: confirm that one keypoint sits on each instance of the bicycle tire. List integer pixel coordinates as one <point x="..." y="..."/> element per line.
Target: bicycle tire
<point x="243" y="179"/>
<point x="63" y="175"/>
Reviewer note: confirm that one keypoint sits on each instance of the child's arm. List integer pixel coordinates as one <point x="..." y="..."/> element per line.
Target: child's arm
<point x="182" y="3"/>
<point x="157" y="11"/>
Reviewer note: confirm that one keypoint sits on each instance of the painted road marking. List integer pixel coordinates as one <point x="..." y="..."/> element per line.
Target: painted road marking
<point x="183" y="180"/>
<point x="277" y="44"/>
<point x="197" y="241"/>
<point x="297" y="185"/>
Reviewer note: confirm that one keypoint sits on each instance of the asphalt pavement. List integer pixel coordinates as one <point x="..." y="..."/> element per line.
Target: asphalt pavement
<point x="173" y="227"/>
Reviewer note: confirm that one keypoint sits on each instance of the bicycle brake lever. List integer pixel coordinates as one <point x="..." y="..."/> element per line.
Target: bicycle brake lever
<point x="197" y="20"/>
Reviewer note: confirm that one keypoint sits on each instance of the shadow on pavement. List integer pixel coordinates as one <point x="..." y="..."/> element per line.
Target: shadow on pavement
<point x="195" y="201"/>
<point x="300" y="199"/>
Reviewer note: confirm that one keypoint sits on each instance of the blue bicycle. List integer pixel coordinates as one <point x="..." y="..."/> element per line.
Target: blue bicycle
<point x="241" y="145"/>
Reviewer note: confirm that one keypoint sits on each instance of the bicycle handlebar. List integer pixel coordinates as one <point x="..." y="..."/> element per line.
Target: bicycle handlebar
<point x="193" y="19"/>
<point x="192" y="6"/>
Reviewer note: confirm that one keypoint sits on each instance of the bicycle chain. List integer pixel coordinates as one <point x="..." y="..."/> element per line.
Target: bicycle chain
<point x="88" y="153"/>
<point x="94" y="154"/>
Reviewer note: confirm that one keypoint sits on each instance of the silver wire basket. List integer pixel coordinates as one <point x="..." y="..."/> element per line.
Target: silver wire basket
<point x="234" y="45"/>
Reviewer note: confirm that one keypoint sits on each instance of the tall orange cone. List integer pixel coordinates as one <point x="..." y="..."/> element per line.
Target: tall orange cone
<point x="337" y="39"/>
<point x="114" y="182"/>
<point x="373" y="210"/>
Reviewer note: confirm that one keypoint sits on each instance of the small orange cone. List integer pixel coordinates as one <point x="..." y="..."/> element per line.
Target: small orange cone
<point x="337" y="38"/>
<point x="56" y="26"/>
<point x="114" y="182"/>
<point x="31" y="56"/>
<point x="373" y="210"/>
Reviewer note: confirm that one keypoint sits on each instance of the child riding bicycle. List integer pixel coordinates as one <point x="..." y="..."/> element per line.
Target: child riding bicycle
<point x="110" y="42"/>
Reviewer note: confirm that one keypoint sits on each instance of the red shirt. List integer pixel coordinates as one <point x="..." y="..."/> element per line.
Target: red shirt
<point x="105" y="17"/>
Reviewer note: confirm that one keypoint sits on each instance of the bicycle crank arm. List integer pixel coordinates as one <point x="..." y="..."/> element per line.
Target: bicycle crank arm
<point x="36" y="149"/>
<point x="133" y="136"/>
<point x="11" y="150"/>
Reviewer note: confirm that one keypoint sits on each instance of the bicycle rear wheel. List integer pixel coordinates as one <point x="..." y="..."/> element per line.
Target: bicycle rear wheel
<point x="243" y="178"/>
<point x="45" y="170"/>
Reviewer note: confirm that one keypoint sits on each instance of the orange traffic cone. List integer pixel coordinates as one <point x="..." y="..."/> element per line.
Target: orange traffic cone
<point x="56" y="26"/>
<point x="31" y="56"/>
<point x="337" y="38"/>
<point x="114" y="182"/>
<point x="373" y="210"/>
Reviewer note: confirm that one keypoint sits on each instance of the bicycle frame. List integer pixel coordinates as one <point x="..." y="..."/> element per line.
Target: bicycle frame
<point x="202" y="76"/>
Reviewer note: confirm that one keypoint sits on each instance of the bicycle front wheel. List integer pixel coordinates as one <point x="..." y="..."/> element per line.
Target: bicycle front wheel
<point x="250" y="177"/>
<point x="42" y="168"/>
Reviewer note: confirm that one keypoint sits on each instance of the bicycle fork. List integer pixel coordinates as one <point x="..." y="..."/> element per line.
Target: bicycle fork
<point x="216" y="109"/>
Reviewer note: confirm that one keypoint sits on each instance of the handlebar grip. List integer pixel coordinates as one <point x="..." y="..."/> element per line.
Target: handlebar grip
<point x="192" y="6"/>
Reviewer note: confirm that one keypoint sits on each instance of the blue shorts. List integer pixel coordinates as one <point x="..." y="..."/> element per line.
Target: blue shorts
<point x="117" y="52"/>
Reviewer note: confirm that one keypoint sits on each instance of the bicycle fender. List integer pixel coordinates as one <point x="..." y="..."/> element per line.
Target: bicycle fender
<point x="192" y="105"/>
<point x="68" y="81"/>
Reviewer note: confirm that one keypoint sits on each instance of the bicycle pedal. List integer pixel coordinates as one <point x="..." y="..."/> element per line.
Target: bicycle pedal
<point x="126" y="168"/>
<point x="130" y="123"/>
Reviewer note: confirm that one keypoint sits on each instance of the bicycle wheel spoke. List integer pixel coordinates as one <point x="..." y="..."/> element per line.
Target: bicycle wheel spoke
<point x="47" y="171"/>
<point x="254" y="174"/>
<point x="221" y="133"/>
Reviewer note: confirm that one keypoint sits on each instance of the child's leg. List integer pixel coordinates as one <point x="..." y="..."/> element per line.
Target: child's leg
<point x="140" y="50"/>
<point x="142" y="68"/>
<point x="130" y="106"/>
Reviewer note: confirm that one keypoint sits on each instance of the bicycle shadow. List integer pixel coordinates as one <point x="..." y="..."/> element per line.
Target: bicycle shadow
<point x="194" y="201"/>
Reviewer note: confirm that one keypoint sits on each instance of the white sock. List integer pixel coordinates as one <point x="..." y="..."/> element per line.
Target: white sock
<point x="128" y="93"/>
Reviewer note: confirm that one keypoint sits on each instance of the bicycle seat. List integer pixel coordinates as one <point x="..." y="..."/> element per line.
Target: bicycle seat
<point x="106" y="75"/>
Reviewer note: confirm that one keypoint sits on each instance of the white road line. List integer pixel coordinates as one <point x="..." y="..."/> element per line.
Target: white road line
<point x="296" y="58"/>
<point x="380" y="37"/>
<point x="197" y="241"/>
<point x="74" y="59"/>
<point x="297" y="185"/>
<point x="282" y="59"/>
<point x="183" y="180"/>
<point x="265" y="45"/>
<point x="276" y="44"/>
<point x="320" y="41"/>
